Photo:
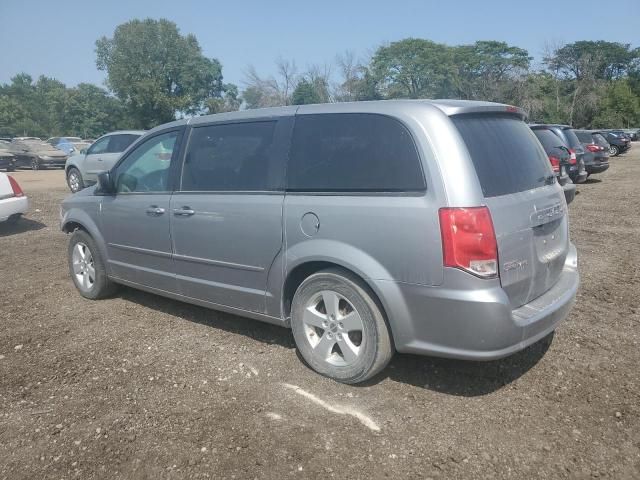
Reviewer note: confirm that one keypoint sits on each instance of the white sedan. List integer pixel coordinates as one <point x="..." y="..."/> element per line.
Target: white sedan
<point x="13" y="201"/>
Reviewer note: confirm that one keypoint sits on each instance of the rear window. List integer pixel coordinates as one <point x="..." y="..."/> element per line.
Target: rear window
<point x="572" y="139"/>
<point x="600" y="140"/>
<point x="353" y="153"/>
<point x="505" y="153"/>
<point x="550" y="142"/>
<point x="584" y="136"/>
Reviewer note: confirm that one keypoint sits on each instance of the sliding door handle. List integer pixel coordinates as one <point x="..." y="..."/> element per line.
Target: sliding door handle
<point x="183" y="212"/>
<point x="155" y="211"/>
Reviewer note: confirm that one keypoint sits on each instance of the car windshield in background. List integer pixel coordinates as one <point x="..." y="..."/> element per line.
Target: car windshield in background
<point x="71" y="139"/>
<point x="505" y="153"/>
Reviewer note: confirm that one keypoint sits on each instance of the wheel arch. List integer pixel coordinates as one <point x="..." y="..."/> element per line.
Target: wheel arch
<point x="77" y="219"/>
<point x="302" y="270"/>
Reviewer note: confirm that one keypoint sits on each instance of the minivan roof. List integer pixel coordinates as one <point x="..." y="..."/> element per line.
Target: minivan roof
<point x="448" y="107"/>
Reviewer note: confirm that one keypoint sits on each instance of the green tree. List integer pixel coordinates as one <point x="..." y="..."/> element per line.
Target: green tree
<point x="486" y="69"/>
<point x="156" y="72"/>
<point x="413" y="68"/>
<point x="620" y="107"/>
<point x="306" y="93"/>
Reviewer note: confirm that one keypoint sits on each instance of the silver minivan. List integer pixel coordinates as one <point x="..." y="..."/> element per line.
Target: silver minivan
<point x="428" y="227"/>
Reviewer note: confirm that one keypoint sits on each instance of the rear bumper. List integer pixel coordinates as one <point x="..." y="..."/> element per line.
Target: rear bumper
<point x="596" y="168"/>
<point x="12" y="206"/>
<point x="474" y="324"/>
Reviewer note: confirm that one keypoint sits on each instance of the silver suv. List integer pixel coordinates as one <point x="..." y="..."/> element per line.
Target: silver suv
<point x="82" y="169"/>
<point x="428" y="227"/>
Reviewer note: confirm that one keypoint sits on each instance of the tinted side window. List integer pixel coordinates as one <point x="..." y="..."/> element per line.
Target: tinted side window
<point x="233" y="157"/>
<point x="506" y="156"/>
<point x="146" y="169"/>
<point x="119" y="143"/>
<point x="353" y="152"/>
<point x="100" y="146"/>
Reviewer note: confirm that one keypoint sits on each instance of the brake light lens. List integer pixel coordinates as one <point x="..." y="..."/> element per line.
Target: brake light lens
<point x="469" y="240"/>
<point x="555" y="163"/>
<point x="573" y="160"/>
<point x="593" y="148"/>
<point x="17" y="191"/>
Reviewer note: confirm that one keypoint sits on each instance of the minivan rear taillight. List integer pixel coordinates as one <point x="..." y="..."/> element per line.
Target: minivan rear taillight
<point x="593" y="148"/>
<point x="555" y="163"/>
<point x="469" y="240"/>
<point x="17" y="191"/>
<point x="573" y="159"/>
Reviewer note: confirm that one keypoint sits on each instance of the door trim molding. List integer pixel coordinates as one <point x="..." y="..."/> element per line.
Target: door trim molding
<point x="219" y="263"/>
<point x="156" y="253"/>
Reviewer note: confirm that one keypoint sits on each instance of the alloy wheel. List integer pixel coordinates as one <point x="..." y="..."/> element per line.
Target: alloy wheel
<point x="74" y="181"/>
<point x="333" y="328"/>
<point x="83" y="266"/>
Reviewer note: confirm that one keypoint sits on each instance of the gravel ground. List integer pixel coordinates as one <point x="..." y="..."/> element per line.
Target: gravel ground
<point x="143" y="387"/>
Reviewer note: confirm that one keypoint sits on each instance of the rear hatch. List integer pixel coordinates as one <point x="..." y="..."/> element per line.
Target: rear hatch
<point x="527" y="206"/>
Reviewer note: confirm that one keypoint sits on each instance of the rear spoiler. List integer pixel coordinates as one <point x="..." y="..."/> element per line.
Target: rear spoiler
<point x="483" y="109"/>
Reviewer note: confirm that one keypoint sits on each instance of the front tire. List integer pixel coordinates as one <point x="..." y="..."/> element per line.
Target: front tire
<point x="35" y="164"/>
<point x="74" y="180"/>
<point x="87" y="268"/>
<point x="614" y="150"/>
<point x="338" y="327"/>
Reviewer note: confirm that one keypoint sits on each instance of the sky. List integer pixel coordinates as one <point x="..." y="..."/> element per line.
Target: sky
<point x="57" y="37"/>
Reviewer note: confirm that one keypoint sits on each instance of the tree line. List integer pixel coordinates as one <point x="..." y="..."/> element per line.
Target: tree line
<point x="155" y="74"/>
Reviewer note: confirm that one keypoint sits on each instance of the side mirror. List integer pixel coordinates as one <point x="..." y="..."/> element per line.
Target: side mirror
<point x="105" y="184"/>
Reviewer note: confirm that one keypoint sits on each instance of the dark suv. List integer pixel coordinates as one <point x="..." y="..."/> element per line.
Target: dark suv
<point x="618" y="143"/>
<point x="596" y="156"/>
<point x="566" y="134"/>
<point x="559" y="157"/>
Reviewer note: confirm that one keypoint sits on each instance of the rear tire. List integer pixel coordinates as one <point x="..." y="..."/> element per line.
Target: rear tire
<point x="339" y="328"/>
<point x="87" y="267"/>
<point x="614" y="151"/>
<point x="35" y="164"/>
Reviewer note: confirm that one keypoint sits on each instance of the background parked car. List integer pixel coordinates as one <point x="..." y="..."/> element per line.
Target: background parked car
<point x="617" y="143"/>
<point x="559" y="157"/>
<point x="7" y="159"/>
<point x="572" y="144"/>
<point x="36" y="154"/>
<point x="596" y="157"/>
<point x="82" y="169"/>
<point x="633" y="133"/>
<point x="69" y="145"/>
<point x="13" y="201"/>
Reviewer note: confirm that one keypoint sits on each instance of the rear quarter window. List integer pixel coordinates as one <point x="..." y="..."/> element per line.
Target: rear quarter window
<point x="352" y="152"/>
<point x="505" y="153"/>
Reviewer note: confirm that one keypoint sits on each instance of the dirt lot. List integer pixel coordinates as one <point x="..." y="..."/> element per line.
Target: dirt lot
<point x="143" y="387"/>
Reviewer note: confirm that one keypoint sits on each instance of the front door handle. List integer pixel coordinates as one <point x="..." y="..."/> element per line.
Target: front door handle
<point x="183" y="212"/>
<point x="155" y="211"/>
